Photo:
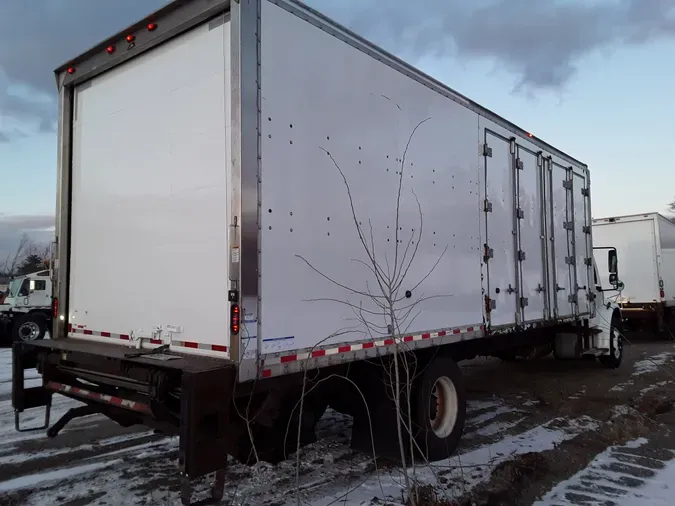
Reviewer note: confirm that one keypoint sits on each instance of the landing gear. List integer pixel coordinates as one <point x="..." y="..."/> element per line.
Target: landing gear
<point x="217" y="490"/>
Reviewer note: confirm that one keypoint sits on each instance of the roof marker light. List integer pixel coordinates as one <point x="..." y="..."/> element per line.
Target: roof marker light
<point x="71" y="70"/>
<point x="529" y="134"/>
<point x="151" y="27"/>
<point x="131" y="38"/>
<point x="110" y="49"/>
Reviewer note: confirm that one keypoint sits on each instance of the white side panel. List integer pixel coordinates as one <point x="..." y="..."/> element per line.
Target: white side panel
<point x="636" y="249"/>
<point x="330" y="96"/>
<point x="531" y="203"/>
<point x="149" y="193"/>
<point x="501" y="229"/>
<point x="562" y="251"/>
<point x="667" y="270"/>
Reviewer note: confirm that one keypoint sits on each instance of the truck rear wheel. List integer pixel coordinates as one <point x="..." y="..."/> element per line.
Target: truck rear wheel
<point x="29" y="327"/>
<point x="440" y="409"/>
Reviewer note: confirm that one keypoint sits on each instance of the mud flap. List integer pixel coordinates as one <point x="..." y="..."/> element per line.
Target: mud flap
<point x="25" y="357"/>
<point x="204" y="416"/>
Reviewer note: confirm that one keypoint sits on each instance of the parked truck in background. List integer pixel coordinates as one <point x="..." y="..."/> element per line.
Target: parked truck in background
<point x="646" y="245"/>
<point x="26" y="311"/>
<point x="221" y="138"/>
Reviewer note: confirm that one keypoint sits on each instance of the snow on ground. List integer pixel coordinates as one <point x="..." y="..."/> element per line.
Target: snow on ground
<point x="653" y="363"/>
<point x="628" y="475"/>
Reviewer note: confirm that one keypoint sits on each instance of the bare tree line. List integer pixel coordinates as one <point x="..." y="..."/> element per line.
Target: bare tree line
<point x="27" y="256"/>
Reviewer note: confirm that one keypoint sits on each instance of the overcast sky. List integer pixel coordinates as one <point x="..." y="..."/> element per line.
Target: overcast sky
<point x="592" y="77"/>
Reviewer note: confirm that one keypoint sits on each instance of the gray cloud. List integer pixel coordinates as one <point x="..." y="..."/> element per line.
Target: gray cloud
<point x="38" y="227"/>
<point x="540" y="42"/>
<point x="39" y="35"/>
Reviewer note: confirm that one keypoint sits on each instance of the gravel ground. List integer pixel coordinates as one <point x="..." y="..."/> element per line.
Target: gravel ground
<point x="543" y="432"/>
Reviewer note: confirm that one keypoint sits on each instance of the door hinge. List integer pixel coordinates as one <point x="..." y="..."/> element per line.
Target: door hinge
<point x="586" y="229"/>
<point x="487" y="206"/>
<point x="588" y="261"/>
<point x="488" y="253"/>
<point x="568" y="225"/>
<point x="490" y="304"/>
<point x="572" y="298"/>
<point x="523" y="302"/>
<point x="539" y="288"/>
<point x="510" y="289"/>
<point x="520" y="214"/>
<point x="570" y="261"/>
<point x="487" y="150"/>
<point x="521" y="255"/>
<point x="567" y="184"/>
<point x="519" y="164"/>
<point x="585" y="192"/>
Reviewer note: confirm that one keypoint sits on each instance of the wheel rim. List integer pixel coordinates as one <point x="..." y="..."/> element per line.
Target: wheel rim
<point x="443" y="407"/>
<point x="616" y="343"/>
<point x="29" y="331"/>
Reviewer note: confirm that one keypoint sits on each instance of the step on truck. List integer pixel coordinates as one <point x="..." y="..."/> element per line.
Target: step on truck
<point x="292" y="168"/>
<point x="646" y="245"/>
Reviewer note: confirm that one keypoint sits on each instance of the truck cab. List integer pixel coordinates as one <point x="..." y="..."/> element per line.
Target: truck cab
<point x="25" y="313"/>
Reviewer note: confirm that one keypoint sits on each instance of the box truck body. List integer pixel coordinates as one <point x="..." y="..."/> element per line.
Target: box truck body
<point x="233" y="174"/>
<point x="646" y="245"/>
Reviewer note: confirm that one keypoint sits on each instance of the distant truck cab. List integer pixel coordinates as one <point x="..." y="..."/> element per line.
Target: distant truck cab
<point x="25" y="311"/>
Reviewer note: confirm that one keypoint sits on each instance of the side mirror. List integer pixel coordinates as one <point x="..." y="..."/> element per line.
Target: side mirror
<point x="613" y="267"/>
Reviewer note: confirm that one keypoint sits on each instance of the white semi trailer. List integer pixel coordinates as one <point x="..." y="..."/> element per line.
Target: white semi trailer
<point x="246" y="143"/>
<point x="646" y="245"/>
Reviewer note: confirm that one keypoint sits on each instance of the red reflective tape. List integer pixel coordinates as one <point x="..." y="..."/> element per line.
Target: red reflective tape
<point x="155" y="341"/>
<point x="426" y="336"/>
<point x="482" y="327"/>
<point x="266" y="373"/>
<point x="387" y="342"/>
<point x="318" y="353"/>
<point x="105" y="334"/>
<point x="218" y="347"/>
<point x="456" y="331"/>
<point x="368" y="345"/>
<point x="289" y="358"/>
<point x="469" y="329"/>
<point x="344" y="349"/>
<point x="87" y="332"/>
<point x="442" y="333"/>
<point x="407" y="339"/>
<point x="189" y="344"/>
<point x="124" y="337"/>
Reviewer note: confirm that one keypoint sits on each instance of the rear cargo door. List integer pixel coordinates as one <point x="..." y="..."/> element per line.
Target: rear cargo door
<point x="150" y="197"/>
<point x="501" y="241"/>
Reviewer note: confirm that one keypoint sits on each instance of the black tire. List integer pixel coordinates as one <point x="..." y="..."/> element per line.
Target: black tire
<point x="615" y="357"/>
<point x="29" y="327"/>
<point x="434" y="442"/>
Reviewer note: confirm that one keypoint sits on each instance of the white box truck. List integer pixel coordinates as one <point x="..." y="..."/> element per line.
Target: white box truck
<point x="277" y="167"/>
<point x="646" y="245"/>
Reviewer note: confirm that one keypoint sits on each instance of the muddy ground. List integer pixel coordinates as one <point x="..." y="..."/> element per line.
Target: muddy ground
<point x="544" y="432"/>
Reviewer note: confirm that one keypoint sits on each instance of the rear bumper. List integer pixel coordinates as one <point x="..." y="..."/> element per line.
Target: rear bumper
<point x="186" y="395"/>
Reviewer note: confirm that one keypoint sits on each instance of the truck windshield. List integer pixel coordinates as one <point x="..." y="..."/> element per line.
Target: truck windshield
<point x="14" y="287"/>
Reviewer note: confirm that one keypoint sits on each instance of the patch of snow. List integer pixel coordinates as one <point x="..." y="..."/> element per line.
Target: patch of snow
<point x="497" y="427"/>
<point x="465" y="471"/>
<point x="41" y="479"/>
<point x="610" y="476"/>
<point x="654" y="386"/>
<point x="652" y="364"/>
<point x="621" y="386"/>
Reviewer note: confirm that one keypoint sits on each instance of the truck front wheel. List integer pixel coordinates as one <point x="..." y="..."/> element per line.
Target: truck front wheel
<point x="615" y="356"/>
<point x="29" y="327"/>
<point x="440" y="409"/>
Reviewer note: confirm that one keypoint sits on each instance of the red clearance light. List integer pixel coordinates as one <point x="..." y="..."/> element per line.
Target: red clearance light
<point x="71" y="70"/>
<point x="234" y="319"/>
<point x="662" y="294"/>
<point x="110" y="49"/>
<point x="131" y="38"/>
<point x="151" y="27"/>
<point x="529" y="134"/>
<point x="55" y="307"/>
